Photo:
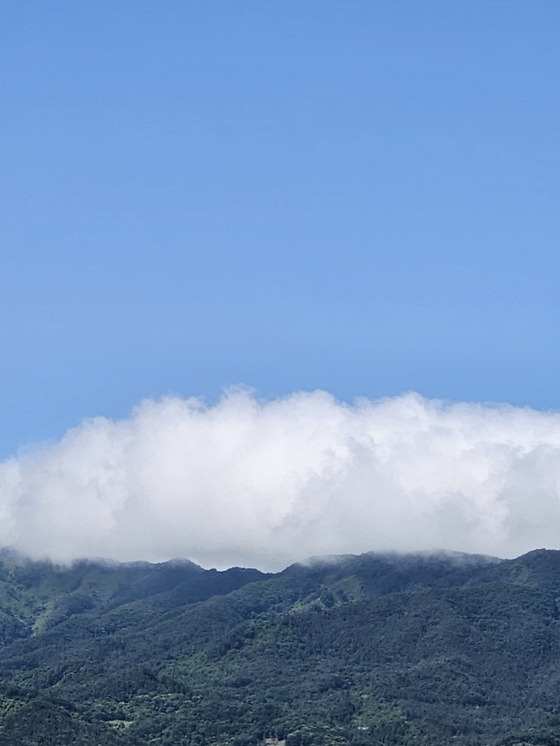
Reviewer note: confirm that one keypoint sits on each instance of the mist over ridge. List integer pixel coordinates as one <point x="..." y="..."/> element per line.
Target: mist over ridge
<point x="267" y="483"/>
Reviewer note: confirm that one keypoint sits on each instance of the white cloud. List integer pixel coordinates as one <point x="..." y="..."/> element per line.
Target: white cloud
<point x="268" y="483"/>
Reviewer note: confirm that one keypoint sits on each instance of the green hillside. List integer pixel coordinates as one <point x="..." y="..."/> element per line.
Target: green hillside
<point x="376" y="649"/>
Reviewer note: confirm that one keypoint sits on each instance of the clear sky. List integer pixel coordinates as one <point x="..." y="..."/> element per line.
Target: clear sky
<point x="356" y="196"/>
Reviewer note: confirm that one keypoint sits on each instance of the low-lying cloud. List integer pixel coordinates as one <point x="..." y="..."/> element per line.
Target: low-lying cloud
<point x="268" y="483"/>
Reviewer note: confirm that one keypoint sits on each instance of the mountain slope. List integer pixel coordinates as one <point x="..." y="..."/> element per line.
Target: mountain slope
<point x="372" y="649"/>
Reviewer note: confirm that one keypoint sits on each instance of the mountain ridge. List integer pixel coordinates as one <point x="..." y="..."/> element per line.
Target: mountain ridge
<point x="373" y="648"/>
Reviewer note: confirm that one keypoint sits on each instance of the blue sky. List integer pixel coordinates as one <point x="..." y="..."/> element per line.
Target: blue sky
<point x="355" y="196"/>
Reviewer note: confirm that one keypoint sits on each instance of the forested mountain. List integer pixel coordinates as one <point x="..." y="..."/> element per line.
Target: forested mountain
<point x="375" y="649"/>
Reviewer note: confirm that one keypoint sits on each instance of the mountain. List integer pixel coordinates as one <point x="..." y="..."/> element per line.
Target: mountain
<point x="371" y="649"/>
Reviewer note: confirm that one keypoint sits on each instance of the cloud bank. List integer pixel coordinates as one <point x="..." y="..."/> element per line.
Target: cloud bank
<point x="268" y="483"/>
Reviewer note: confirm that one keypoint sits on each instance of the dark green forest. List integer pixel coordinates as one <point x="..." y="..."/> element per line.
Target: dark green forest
<point x="374" y="649"/>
